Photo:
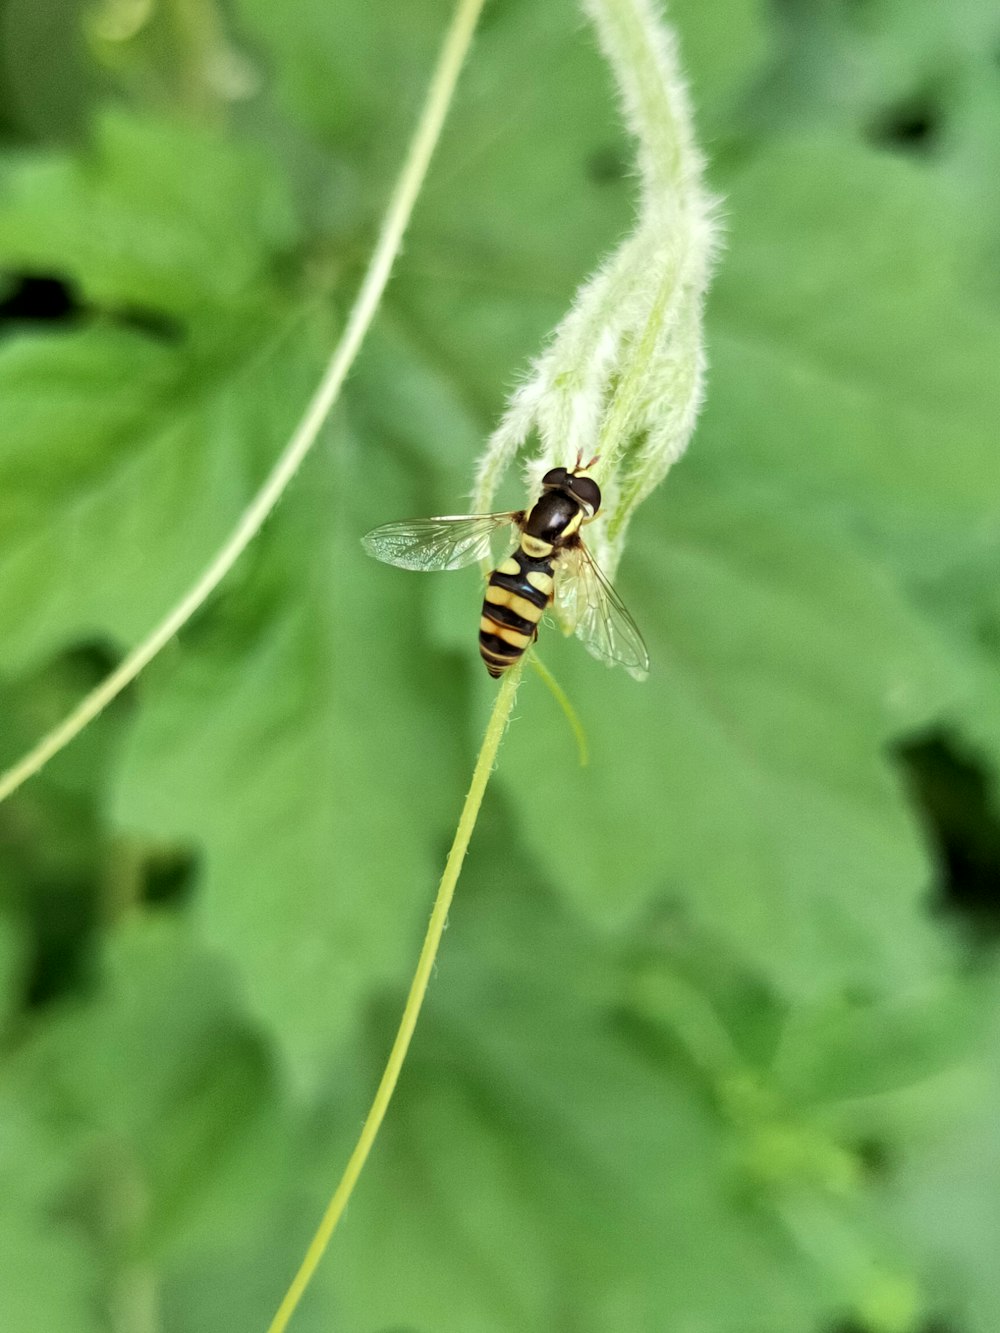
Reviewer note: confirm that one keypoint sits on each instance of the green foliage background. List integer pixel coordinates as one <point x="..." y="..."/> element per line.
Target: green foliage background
<point x="713" y="1045"/>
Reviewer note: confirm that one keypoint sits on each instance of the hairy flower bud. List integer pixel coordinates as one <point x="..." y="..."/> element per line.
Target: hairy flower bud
<point x="622" y="374"/>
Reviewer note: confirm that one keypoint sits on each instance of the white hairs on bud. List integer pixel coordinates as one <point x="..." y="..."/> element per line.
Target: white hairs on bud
<point x="622" y="375"/>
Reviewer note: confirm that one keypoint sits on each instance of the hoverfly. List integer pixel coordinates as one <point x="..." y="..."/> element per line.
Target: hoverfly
<point x="550" y="564"/>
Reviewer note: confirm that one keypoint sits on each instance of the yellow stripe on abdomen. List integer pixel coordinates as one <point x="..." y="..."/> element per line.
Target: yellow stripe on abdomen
<point x="543" y="582"/>
<point x="510" y="636"/>
<point x="516" y="597"/>
<point x="496" y="596"/>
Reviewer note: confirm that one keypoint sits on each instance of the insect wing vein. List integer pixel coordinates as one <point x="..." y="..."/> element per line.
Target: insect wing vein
<point x="600" y="619"/>
<point x="449" y="541"/>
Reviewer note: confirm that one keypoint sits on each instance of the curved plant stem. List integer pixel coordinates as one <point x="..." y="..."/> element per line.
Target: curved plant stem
<point x="411" y="1012"/>
<point x="439" y="95"/>
<point x="570" y="713"/>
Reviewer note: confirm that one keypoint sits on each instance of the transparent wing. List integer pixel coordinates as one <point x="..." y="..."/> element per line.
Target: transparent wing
<point x="589" y="603"/>
<point x="448" y="542"/>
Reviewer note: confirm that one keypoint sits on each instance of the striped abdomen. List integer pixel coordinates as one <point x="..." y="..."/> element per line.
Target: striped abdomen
<point x="517" y="594"/>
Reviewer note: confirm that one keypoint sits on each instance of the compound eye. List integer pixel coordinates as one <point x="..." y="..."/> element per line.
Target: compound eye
<point x="587" y="490"/>
<point x="555" y="477"/>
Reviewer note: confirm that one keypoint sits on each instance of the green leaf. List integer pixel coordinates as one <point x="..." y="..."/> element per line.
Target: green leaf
<point x="723" y="51"/>
<point x="747" y="778"/>
<point x="966" y="601"/>
<point x="55" y="863"/>
<point x="841" y="1050"/>
<point x="309" y="754"/>
<point x="548" y="1168"/>
<point x="529" y="191"/>
<point x="160" y="1077"/>
<point x="46" y="1276"/>
<point x="852" y="359"/>
<point x="913" y="76"/>
<point x="125" y="464"/>
<point x="326" y="70"/>
<point x="43" y="97"/>
<point x="12" y="964"/>
<point x="143" y="1131"/>
<point x="127" y="454"/>
<point x="578" y="1142"/>
<point x="945" y="1194"/>
<point x="157" y="218"/>
<point x="850" y="380"/>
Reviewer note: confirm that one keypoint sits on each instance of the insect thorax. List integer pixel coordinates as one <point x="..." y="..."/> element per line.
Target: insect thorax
<point x="554" y="516"/>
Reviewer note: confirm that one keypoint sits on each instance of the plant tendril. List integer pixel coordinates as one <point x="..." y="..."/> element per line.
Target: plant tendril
<point x="495" y="729"/>
<point x="570" y="713"/>
<point x="408" y="185"/>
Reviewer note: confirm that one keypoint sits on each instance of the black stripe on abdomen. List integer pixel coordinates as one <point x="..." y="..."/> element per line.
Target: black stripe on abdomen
<point x="499" y="648"/>
<point x="521" y="619"/>
<point x="497" y="653"/>
<point x="519" y="582"/>
<point x="504" y="615"/>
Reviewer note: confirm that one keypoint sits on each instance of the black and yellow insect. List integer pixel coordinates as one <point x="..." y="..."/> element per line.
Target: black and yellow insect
<point x="551" y="564"/>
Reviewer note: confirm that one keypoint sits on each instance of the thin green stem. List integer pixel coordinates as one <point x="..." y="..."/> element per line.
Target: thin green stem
<point x="422" y="146"/>
<point x="414" y="1001"/>
<point x="570" y="713"/>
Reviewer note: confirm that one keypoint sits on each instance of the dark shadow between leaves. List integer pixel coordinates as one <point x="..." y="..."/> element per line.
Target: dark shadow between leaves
<point x="912" y="126"/>
<point x="957" y="801"/>
<point x="930" y="1326"/>
<point x="48" y="299"/>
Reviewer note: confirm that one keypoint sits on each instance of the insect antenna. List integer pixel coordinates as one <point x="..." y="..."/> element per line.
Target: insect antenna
<point x="580" y="466"/>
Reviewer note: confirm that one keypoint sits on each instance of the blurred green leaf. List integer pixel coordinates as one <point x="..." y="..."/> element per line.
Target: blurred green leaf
<point x="537" y="1173"/>
<point x="159" y="1075"/>
<point x="723" y="51"/>
<point x="126" y="462"/>
<point x="694" y="1020"/>
<point x="155" y="217"/>
<point x="129" y="449"/>
<point x="144" y="1130"/>
<point x="856" y="387"/>
<point x="314" y="772"/>
<point x="905" y="73"/>
<point x="47" y="1282"/>
<point x="46" y="84"/>
<point x="944" y="1195"/>
<point x="12" y="959"/>
<point x="354" y="77"/>
<point x="782" y="663"/>
<point x="852" y="355"/>
<point x="839" y="1050"/>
